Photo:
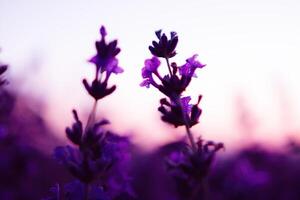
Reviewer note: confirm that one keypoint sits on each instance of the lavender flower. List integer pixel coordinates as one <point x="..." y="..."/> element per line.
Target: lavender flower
<point x="95" y="151"/>
<point x="177" y="110"/>
<point x="106" y="63"/>
<point x="151" y="66"/>
<point x="192" y="164"/>
<point x="189" y="168"/>
<point x="191" y="65"/>
<point x="164" y="47"/>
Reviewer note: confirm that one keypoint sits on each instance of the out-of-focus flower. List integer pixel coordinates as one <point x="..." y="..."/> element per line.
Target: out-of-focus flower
<point x="98" y="89"/>
<point x="106" y="53"/>
<point x="106" y="63"/>
<point x="189" y="168"/>
<point x="75" y="133"/>
<point x="164" y="47"/>
<point x="76" y="191"/>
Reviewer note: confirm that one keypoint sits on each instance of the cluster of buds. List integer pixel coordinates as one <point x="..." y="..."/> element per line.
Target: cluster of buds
<point x="106" y="63"/>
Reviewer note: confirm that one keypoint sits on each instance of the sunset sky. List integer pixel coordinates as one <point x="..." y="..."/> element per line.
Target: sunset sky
<point x="251" y="49"/>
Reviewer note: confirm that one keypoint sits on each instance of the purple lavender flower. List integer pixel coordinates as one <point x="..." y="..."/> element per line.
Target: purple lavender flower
<point x="75" y="133"/>
<point x="189" y="167"/>
<point x="164" y="47"/>
<point x="179" y="113"/>
<point x="106" y="53"/>
<point x="191" y="65"/>
<point x="172" y="85"/>
<point x="150" y="68"/>
<point x="97" y="153"/>
<point x="106" y="63"/>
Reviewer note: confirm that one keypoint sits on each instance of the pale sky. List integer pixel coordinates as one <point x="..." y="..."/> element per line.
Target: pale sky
<point x="251" y="49"/>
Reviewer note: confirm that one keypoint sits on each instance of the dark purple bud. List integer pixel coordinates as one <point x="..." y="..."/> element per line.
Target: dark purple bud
<point x="98" y="90"/>
<point x="75" y="133"/>
<point x="164" y="47"/>
<point x="103" y="31"/>
<point x="158" y="33"/>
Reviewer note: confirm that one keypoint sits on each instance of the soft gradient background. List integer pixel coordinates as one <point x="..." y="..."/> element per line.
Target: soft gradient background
<point x="251" y="48"/>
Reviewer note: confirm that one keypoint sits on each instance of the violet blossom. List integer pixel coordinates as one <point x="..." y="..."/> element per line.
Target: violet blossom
<point x="164" y="47"/>
<point x="96" y="154"/>
<point x="106" y="63"/>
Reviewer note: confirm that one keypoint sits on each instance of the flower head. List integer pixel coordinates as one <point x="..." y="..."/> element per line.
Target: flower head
<point x="189" y="168"/>
<point x="98" y="89"/>
<point x="180" y="112"/>
<point x="186" y="107"/>
<point x="106" y="63"/>
<point x="106" y="52"/>
<point x="189" y="68"/>
<point x="151" y="66"/>
<point x="164" y="47"/>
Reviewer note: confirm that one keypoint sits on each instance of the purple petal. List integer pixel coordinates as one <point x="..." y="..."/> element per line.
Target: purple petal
<point x="103" y="31"/>
<point x="145" y="83"/>
<point x="112" y="67"/>
<point x="152" y="64"/>
<point x="185" y="104"/>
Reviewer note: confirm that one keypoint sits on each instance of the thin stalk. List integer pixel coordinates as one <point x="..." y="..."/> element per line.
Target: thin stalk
<point x="187" y="128"/>
<point x="191" y="138"/>
<point x="169" y="67"/>
<point x="91" y="119"/>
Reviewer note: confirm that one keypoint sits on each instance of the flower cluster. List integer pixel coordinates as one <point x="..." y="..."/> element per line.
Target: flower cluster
<point x="175" y="110"/>
<point x="192" y="164"/>
<point x="95" y="152"/>
<point x="106" y="63"/>
<point x="189" y="167"/>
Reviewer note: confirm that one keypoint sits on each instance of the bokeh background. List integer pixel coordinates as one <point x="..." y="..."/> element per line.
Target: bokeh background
<point x="251" y="48"/>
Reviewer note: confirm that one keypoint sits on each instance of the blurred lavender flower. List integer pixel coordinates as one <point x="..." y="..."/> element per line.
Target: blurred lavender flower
<point x="97" y="157"/>
<point x="106" y="63"/>
<point x="189" y="168"/>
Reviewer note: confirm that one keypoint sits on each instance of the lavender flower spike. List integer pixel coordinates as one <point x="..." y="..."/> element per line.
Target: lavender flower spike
<point x="151" y="66"/>
<point x="190" y="67"/>
<point x="106" y="64"/>
<point x="165" y="47"/>
<point x="106" y="53"/>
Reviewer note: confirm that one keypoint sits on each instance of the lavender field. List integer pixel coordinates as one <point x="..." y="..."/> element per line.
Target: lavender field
<point x="164" y="129"/>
